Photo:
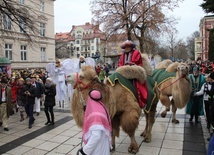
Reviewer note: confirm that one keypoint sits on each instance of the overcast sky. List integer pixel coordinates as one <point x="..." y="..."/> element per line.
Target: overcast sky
<point x="77" y="12"/>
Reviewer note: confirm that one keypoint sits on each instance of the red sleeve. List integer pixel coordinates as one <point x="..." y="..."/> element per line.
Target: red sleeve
<point x="121" y="60"/>
<point x="136" y="58"/>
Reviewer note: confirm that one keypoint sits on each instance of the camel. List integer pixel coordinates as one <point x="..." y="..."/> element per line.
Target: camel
<point x="177" y="86"/>
<point x="121" y="103"/>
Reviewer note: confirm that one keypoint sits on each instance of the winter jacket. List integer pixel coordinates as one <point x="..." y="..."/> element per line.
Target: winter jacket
<point x="50" y="93"/>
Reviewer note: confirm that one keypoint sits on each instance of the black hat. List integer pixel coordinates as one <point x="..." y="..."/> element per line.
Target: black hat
<point x="212" y="75"/>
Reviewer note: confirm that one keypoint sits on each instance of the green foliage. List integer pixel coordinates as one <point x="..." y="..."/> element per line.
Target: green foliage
<point x="208" y="6"/>
<point x="211" y="45"/>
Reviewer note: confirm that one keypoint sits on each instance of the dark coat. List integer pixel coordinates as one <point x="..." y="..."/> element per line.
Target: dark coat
<point x="30" y="99"/>
<point x="39" y="89"/>
<point x="20" y="95"/>
<point x="50" y="93"/>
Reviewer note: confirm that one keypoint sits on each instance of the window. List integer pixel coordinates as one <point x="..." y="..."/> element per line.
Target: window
<point x="43" y="53"/>
<point x="8" y="51"/>
<point x="88" y="48"/>
<point x="78" y="48"/>
<point x="92" y="47"/>
<point x="42" y="6"/>
<point x="77" y="42"/>
<point x="6" y="22"/>
<point x="42" y="29"/>
<point x="92" y="41"/>
<point x="22" y="1"/>
<point x="81" y="48"/>
<point x="22" y="25"/>
<point x="23" y="52"/>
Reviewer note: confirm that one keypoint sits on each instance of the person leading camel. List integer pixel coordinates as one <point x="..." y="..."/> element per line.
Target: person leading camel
<point x="96" y="126"/>
<point x="131" y="56"/>
<point x="195" y="104"/>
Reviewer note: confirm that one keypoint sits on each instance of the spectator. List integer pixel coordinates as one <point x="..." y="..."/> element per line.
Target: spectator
<point x="5" y="103"/>
<point x="50" y="93"/>
<point x="21" y="98"/>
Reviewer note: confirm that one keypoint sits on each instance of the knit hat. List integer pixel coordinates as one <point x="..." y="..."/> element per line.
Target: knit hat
<point x="49" y="79"/>
<point x="28" y="79"/>
<point x="212" y="75"/>
<point x="95" y="95"/>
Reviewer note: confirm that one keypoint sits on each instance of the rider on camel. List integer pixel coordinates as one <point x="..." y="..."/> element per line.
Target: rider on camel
<point x="131" y="56"/>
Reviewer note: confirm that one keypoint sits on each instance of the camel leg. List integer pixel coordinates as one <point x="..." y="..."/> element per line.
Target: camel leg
<point x="150" y="119"/>
<point x="129" y="122"/>
<point x="115" y="130"/>
<point x="166" y="102"/>
<point x="144" y="133"/>
<point x="174" y="109"/>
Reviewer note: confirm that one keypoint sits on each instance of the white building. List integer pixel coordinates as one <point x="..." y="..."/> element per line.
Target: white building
<point x="87" y="40"/>
<point x="16" y="46"/>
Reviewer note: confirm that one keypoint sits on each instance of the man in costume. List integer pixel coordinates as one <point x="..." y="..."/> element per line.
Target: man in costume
<point x="5" y="103"/>
<point x="207" y="97"/>
<point x="195" y="104"/>
<point x="96" y="127"/>
<point x="131" y="56"/>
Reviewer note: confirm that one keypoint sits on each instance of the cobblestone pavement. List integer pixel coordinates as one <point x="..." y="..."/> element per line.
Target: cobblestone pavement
<point x="65" y="137"/>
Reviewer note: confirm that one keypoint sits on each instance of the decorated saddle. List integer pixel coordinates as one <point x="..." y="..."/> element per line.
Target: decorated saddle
<point x="126" y="83"/>
<point x="157" y="78"/>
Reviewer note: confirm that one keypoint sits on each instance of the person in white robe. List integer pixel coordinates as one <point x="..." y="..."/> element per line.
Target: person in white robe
<point x="96" y="127"/>
<point x="60" y="83"/>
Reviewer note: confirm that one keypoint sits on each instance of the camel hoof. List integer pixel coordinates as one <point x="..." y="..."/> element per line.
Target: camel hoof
<point x="147" y="140"/>
<point x="175" y="121"/>
<point x="143" y="134"/>
<point x="163" y="114"/>
<point x="133" y="149"/>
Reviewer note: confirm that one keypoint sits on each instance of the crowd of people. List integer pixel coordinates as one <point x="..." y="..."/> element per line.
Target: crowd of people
<point x="24" y="92"/>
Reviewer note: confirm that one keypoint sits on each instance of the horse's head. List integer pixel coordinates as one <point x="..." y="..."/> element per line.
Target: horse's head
<point x="183" y="69"/>
<point x="84" y="79"/>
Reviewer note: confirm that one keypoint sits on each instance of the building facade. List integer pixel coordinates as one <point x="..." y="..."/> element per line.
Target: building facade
<point x="86" y="40"/>
<point x="37" y="48"/>
<point x="202" y="42"/>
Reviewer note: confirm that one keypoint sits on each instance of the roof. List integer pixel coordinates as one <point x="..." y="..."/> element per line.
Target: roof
<point x="68" y="36"/>
<point x="65" y="36"/>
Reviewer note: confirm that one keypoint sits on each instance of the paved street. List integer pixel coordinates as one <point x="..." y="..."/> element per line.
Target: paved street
<point x="65" y="137"/>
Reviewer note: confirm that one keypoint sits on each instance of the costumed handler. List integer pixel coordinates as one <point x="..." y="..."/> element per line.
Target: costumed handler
<point x="131" y="56"/>
<point x="96" y="127"/>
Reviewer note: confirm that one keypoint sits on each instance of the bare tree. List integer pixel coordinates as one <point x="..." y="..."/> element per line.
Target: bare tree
<point x="131" y="16"/>
<point x="191" y="44"/>
<point x="172" y="43"/>
<point x="23" y="18"/>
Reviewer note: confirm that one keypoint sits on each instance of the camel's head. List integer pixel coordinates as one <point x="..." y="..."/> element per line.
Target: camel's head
<point x="183" y="69"/>
<point x="83" y="79"/>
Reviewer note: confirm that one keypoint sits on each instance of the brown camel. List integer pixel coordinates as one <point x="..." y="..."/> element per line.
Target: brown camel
<point x="120" y="102"/>
<point x="177" y="86"/>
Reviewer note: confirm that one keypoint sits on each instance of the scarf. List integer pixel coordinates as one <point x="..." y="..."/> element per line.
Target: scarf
<point x="127" y="57"/>
<point x="96" y="118"/>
